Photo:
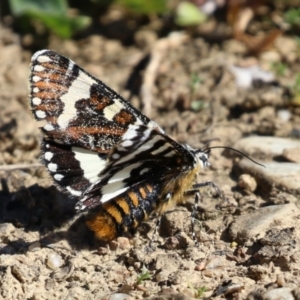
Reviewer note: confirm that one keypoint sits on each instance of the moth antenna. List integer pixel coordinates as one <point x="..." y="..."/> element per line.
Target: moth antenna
<point x="207" y="150"/>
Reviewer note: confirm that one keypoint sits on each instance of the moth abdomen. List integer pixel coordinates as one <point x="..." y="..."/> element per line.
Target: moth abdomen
<point x="123" y="213"/>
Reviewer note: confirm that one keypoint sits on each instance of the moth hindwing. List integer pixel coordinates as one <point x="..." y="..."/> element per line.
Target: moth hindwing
<point x="98" y="147"/>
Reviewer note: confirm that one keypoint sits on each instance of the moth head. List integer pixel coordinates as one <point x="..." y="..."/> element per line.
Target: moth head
<point x="201" y="156"/>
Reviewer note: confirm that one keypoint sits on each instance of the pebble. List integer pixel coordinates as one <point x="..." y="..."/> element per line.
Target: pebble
<point x="285" y="175"/>
<point x="244" y="77"/>
<point x="54" y="261"/>
<point x="34" y="247"/>
<point x="287" y="48"/>
<point x="121" y="243"/>
<point x="265" y="146"/>
<point x="215" y="262"/>
<point x="276" y="294"/>
<point x="284" y="115"/>
<point x="292" y="155"/>
<point x="254" y="226"/>
<point x="5" y="230"/>
<point x="247" y="183"/>
<point x="119" y="296"/>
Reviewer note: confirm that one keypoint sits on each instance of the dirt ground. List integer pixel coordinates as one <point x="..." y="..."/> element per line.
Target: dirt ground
<point x="249" y="245"/>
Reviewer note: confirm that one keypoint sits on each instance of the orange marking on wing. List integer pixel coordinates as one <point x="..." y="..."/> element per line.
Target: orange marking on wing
<point x="76" y="132"/>
<point x="100" y="101"/>
<point x="52" y="120"/>
<point x="54" y="67"/>
<point x="47" y="107"/>
<point x="123" y="117"/>
<point x="45" y="95"/>
<point x="50" y="85"/>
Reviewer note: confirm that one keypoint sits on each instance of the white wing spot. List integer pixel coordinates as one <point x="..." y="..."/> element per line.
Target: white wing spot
<point x="40" y="114"/>
<point x="48" y="127"/>
<point x="36" y="101"/>
<point x="116" y="156"/>
<point x="58" y="177"/>
<point x="38" y="68"/>
<point x="39" y="57"/>
<point x="35" y="89"/>
<point x="48" y="155"/>
<point x="127" y="143"/>
<point x="74" y="192"/>
<point x="110" y="111"/>
<point x="52" y="167"/>
<point x="36" y="78"/>
<point x="44" y="58"/>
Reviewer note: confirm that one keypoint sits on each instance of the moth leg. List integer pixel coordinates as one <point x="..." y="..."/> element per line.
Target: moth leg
<point x="195" y="207"/>
<point x="208" y="183"/>
<point x="150" y="248"/>
<point x="157" y="225"/>
<point x="195" y="191"/>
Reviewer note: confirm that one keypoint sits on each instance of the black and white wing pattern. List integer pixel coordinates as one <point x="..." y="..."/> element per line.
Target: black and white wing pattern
<point x="83" y="119"/>
<point x="98" y="147"/>
<point x="143" y="155"/>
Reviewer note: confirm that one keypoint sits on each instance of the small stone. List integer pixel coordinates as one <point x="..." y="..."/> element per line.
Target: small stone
<point x="275" y="174"/>
<point x="281" y="293"/>
<point x="34" y="246"/>
<point x="54" y="261"/>
<point x="200" y="266"/>
<point x="5" y="230"/>
<point x="247" y="182"/>
<point x="292" y="155"/>
<point x="119" y="296"/>
<point x="145" y="38"/>
<point x="188" y="292"/>
<point x="162" y="276"/>
<point x="287" y="48"/>
<point x="254" y="226"/>
<point x="171" y="243"/>
<point x="233" y="244"/>
<point x="121" y="243"/>
<point x="208" y="273"/>
<point x="284" y="115"/>
<point x="265" y="146"/>
<point x="102" y="250"/>
<point x="280" y="280"/>
<point x="215" y="262"/>
<point x="24" y="273"/>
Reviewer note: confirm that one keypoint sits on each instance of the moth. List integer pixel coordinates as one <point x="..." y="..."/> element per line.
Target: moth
<point x="119" y="164"/>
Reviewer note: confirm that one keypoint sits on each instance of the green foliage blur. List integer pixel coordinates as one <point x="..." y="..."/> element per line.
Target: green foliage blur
<point x="53" y="14"/>
<point x="144" y="7"/>
<point x="292" y="16"/>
